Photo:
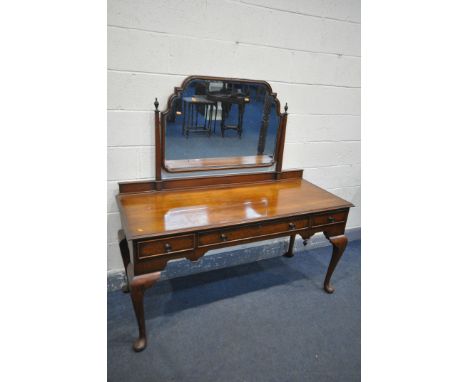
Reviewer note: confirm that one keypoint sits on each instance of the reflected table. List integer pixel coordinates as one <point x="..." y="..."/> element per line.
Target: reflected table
<point x="198" y="112"/>
<point x="227" y="100"/>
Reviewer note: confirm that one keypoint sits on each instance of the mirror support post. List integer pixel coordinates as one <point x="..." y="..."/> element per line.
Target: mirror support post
<point x="157" y="125"/>
<point x="281" y="139"/>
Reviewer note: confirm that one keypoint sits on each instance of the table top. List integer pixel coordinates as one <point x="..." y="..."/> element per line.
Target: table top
<point x="201" y="99"/>
<point x="229" y="98"/>
<point x="156" y="213"/>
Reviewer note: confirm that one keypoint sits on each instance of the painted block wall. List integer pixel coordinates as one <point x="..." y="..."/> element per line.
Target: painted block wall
<point x="309" y="51"/>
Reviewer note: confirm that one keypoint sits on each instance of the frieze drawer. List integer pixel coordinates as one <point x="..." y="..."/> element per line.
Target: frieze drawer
<point x="252" y="230"/>
<point x="164" y="246"/>
<point x="329" y="218"/>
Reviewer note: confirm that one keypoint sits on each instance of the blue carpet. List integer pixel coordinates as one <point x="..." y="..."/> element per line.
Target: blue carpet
<point x="265" y="321"/>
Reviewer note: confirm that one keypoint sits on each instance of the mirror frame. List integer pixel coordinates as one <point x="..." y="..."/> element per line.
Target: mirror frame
<point x="178" y="90"/>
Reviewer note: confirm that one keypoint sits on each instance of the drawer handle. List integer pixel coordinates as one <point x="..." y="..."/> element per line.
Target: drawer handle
<point x="223" y="237"/>
<point x="292" y="226"/>
<point x="331" y="219"/>
<point x="167" y="247"/>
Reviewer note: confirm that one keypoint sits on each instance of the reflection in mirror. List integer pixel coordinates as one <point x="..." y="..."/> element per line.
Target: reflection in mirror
<point x="216" y="124"/>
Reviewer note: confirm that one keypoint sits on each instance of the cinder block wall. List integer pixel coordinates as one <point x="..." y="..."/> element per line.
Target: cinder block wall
<point x="309" y="51"/>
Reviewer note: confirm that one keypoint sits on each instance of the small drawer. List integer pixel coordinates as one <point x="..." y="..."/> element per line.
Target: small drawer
<point x="329" y="218"/>
<point x="158" y="247"/>
<point x="251" y="231"/>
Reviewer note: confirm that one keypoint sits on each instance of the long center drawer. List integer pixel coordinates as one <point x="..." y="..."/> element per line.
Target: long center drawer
<point x="251" y="230"/>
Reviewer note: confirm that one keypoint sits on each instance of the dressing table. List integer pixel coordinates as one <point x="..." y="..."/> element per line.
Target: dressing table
<point x="219" y="189"/>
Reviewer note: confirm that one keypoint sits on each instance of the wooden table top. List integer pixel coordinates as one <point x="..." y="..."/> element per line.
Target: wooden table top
<point x="155" y="213"/>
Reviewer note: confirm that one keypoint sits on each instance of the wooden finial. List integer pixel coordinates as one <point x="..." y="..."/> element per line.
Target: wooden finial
<point x="286" y="107"/>
<point x="156" y="104"/>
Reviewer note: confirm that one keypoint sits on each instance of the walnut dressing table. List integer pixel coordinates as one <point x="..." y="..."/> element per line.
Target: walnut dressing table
<point x="242" y="194"/>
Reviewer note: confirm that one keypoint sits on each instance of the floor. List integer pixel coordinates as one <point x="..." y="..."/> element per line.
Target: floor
<point x="264" y="321"/>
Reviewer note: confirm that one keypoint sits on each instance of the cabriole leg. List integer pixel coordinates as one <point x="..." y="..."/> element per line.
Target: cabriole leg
<point x="125" y="253"/>
<point x="339" y="244"/>
<point x="138" y="286"/>
<point x="291" y="246"/>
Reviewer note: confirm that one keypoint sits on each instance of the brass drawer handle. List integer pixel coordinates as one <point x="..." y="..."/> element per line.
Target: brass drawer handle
<point x="167" y="247"/>
<point x="223" y="237"/>
<point x="331" y="219"/>
<point x="292" y="226"/>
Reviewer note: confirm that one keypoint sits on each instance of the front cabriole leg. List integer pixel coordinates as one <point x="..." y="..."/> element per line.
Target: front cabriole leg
<point x="339" y="244"/>
<point x="125" y="253"/>
<point x="138" y="286"/>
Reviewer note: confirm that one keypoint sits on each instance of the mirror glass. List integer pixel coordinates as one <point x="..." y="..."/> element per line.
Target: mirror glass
<point x="220" y="124"/>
